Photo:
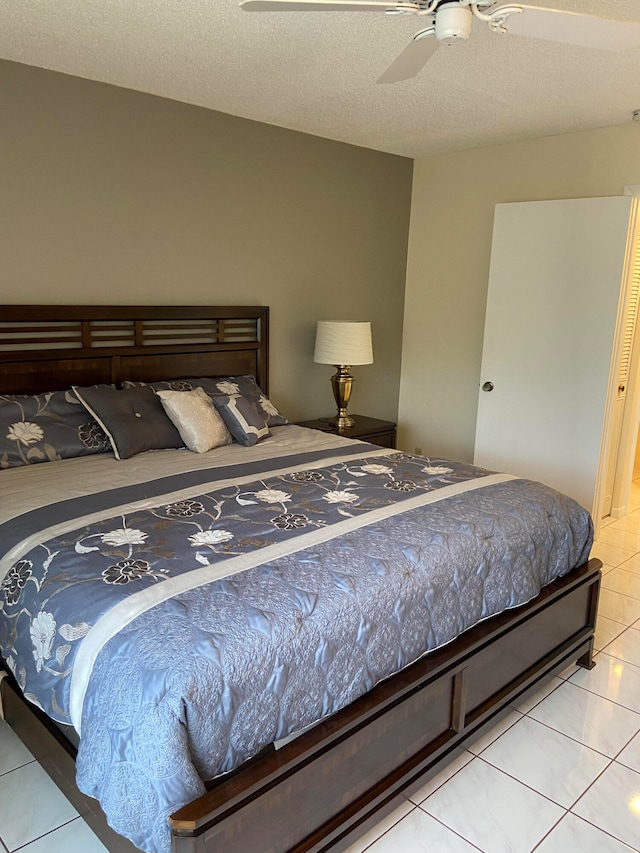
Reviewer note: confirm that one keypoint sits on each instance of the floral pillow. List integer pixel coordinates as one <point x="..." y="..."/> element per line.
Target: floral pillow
<point x="242" y="418"/>
<point x="246" y="386"/>
<point x="46" y="427"/>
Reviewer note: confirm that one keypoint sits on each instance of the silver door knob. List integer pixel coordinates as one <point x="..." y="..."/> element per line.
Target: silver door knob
<point x="488" y="386"/>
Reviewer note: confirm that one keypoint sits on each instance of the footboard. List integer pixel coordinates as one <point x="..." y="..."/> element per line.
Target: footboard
<point x="324" y="789"/>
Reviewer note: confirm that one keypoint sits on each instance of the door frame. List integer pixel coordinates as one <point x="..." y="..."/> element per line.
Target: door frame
<point x="631" y="411"/>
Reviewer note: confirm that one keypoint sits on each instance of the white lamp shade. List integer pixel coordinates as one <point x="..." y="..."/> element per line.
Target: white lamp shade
<point x="339" y="342"/>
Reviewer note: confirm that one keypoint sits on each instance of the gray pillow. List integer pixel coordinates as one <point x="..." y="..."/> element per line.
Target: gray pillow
<point x="245" y="385"/>
<point x="133" y="419"/>
<point x="242" y="418"/>
<point x="46" y="427"/>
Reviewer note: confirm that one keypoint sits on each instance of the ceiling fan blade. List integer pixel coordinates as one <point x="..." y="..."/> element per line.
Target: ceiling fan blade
<point x="324" y="5"/>
<point x="413" y="58"/>
<point x="573" y="28"/>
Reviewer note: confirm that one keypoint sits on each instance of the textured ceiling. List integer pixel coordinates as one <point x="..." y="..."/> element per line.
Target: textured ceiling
<point x="316" y="72"/>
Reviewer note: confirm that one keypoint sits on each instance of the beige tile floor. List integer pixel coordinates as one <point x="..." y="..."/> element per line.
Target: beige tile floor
<point x="560" y="774"/>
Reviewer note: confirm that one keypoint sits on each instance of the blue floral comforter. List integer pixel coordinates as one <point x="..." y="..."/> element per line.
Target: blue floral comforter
<point x="181" y="625"/>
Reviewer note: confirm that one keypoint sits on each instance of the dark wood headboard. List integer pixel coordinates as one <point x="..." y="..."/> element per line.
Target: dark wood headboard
<point x="51" y="347"/>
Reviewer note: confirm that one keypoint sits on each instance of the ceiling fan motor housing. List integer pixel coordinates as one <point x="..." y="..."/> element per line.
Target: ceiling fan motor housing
<point x="453" y="23"/>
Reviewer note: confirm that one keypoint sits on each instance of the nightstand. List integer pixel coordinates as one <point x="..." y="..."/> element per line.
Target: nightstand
<point x="372" y="430"/>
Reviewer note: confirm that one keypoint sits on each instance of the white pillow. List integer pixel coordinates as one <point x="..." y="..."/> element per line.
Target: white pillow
<point x="196" y="419"/>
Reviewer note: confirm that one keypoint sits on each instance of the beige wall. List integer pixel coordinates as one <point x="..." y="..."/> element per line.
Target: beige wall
<point x="112" y="196"/>
<point x="448" y="264"/>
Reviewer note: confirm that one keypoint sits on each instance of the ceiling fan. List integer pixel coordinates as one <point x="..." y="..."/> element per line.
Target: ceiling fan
<point x="449" y="22"/>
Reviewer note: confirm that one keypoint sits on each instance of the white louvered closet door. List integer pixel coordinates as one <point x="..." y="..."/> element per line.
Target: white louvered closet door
<point x="622" y="387"/>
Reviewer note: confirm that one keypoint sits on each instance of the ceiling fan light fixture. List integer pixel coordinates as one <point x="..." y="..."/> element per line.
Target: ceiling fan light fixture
<point x="450" y="23"/>
<point x="453" y="23"/>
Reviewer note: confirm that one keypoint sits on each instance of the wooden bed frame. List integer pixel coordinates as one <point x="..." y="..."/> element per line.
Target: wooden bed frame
<point x="322" y="790"/>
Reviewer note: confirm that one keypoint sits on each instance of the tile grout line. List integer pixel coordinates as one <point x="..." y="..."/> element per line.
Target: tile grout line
<point x="526" y="784"/>
<point x="600" y="696"/>
<point x="44" y="834"/>
<point x="19" y="766"/>
<point x="393" y="825"/>
<point x="553" y="828"/>
<point x="455" y="832"/>
<point x="599" y="828"/>
<point x="569" y="737"/>
<point x="424" y="799"/>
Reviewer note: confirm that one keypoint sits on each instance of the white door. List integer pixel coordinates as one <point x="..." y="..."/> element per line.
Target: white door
<point x="553" y="317"/>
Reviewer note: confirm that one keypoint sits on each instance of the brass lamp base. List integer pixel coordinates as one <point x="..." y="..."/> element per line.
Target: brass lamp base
<point x="341" y="382"/>
<point x="341" y="422"/>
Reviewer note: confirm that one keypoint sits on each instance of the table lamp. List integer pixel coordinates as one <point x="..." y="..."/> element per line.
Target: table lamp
<point x="343" y="344"/>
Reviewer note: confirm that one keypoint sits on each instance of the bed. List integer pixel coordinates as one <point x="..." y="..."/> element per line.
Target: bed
<point x="390" y="716"/>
